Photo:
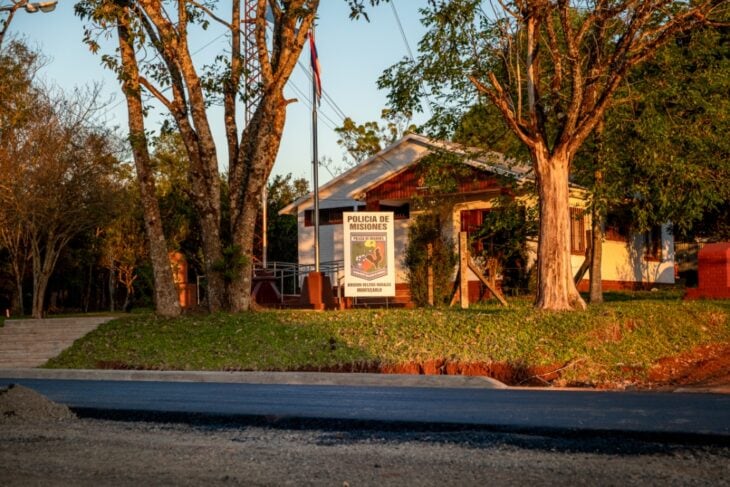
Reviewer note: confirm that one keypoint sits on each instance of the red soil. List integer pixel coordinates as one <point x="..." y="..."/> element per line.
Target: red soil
<point x="706" y="367"/>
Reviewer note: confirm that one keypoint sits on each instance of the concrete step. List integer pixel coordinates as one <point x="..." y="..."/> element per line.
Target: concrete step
<point x="40" y="337"/>
<point x="31" y="343"/>
<point x="30" y="337"/>
<point x="38" y="350"/>
<point x="49" y="326"/>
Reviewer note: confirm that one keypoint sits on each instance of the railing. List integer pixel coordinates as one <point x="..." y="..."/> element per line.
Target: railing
<point x="685" y="254"/>
<point x="290" y="276"/>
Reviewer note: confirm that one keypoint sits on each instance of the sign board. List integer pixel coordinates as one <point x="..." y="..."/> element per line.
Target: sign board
<point x="369" y="253"/>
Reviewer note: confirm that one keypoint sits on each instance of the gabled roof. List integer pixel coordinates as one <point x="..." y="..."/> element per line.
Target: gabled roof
<point x="385" y="163"/>
<point x="398" y="157"/>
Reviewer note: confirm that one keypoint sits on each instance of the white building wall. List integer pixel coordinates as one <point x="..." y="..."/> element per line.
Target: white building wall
<point x="330" y="236"/>
<point x="626" y="262"/>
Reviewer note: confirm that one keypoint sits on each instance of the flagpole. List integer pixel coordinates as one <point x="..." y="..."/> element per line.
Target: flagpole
<point x="315" y="166"/>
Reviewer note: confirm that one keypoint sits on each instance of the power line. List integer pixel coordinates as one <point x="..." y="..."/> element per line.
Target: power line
<point x="330" y="123"/>
<point x="402" y="32"/>
<point x="410" y="53"/>
<point x="325" y="95"/>
<point x="163" y="90"/>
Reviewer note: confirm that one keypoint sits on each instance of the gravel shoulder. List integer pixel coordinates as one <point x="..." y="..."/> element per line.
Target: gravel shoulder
<point x="91" y="452"/>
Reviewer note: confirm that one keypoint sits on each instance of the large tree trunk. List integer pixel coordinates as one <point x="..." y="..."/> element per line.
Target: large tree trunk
<point x="17" y="302"/>
<point x="556" y="288"/>
<point x="240" y="287"/>
<point x="205" y="184"/>
<point x="213" y="260"/>
<point x="166" y="299"/>
<point x="17" y="305"/>
<point x="112" y="283"/>
<point x="44" y="255"/>
<point x="257" y="157"/>
<point x="40" y="284"/>
<point x="596" y="279"/>
<point x="16" y="244"/>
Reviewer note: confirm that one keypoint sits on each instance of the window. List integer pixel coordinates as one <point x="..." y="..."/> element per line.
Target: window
<point x="577" y="231"/>
<point x="617" y="226"/>
<point x="653" y="243"/>
<point x="328" y="216"/>
<point x="471" y="223"/>
<point x="402" y="212"/>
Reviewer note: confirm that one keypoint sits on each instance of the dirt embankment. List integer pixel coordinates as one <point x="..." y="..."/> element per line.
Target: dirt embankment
<point x="704" y="367"/>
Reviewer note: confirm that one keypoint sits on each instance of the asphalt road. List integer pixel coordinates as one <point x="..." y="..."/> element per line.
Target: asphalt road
<point x="653" y="414"/>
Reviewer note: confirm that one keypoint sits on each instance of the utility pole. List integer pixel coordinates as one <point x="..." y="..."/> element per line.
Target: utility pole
<point x="315" y="165"/>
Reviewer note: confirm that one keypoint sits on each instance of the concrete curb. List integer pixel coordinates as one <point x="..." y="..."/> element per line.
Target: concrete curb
<point x="282" y="378"/>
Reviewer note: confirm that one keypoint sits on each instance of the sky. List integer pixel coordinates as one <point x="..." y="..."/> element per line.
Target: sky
<point x="352" y="54"/>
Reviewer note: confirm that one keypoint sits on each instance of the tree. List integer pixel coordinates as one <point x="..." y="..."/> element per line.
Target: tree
<point x="148" y="25"/>
<point x="363" y="141"/>
<point x="551" y="67"/>
<point x="166" y="300"/>
<point x="124" y="248"/>
<point x="662" y="152"/>
<point x="282" y="229"/>
<point x="504" y="233"/>
<point x="18" y="100"/>
<point x="59" y="169"/>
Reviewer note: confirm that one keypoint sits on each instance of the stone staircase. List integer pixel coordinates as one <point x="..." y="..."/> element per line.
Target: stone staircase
<point x="31" y="343"/>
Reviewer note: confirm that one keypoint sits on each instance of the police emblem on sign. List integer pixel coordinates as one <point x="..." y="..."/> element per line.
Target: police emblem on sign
<point x="368" y="257"/>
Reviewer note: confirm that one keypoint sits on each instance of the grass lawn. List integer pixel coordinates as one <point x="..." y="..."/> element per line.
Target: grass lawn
<point x="614" y="342"/>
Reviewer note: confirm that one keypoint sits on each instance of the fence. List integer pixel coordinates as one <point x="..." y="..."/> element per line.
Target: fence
<point x="289" y="276"/>
<point x="685" y="254"/>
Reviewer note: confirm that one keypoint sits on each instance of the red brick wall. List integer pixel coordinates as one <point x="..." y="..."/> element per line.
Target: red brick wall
<point x="713" y="269"/>
<point x="584" y="285"/>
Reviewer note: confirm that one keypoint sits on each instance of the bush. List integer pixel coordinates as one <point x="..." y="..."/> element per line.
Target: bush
<point x="426" y="229"/>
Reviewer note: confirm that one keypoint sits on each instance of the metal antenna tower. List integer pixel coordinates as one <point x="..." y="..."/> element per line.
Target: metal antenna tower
<point x="252" y="70"/>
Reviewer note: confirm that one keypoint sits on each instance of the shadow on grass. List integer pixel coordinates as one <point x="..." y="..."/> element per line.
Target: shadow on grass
<point x="623" y="296"/>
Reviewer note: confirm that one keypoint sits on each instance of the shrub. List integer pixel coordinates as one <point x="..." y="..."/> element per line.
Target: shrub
<point x="426" y="229"/>
<point x="504" y="235"/>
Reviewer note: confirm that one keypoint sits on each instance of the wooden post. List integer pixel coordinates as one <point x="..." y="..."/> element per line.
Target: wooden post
<point x="488" y="283"/>
<point x="585" y="266"/>
<point x="463" y="270"/>
<point x="429" y="249"/>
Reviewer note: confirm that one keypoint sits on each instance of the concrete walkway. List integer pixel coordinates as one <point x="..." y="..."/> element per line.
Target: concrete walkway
<point x="31" y="343"/>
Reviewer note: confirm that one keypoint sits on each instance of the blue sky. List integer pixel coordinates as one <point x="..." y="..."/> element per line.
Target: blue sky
<point x="352" y="54"/>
